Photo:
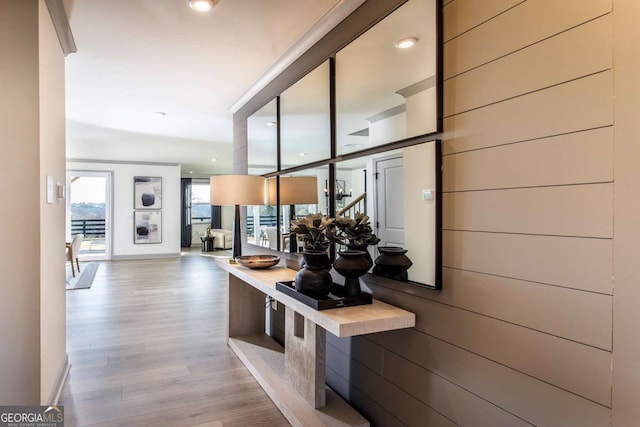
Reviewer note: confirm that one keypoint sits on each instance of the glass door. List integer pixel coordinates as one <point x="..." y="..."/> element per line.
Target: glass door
<point x="89" y="212"/>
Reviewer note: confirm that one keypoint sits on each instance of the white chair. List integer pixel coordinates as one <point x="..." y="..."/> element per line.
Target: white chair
<point x="223" y="239"/>
<point x="73" y="250"/>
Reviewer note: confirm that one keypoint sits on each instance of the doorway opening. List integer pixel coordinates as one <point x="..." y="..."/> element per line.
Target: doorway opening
<point x="89" y="212"/>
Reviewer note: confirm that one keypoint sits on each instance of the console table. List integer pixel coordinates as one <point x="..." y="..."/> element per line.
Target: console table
<point x="294" y="376"/>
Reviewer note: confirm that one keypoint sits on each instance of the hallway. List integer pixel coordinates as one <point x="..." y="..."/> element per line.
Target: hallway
<point x="147" y="348"/>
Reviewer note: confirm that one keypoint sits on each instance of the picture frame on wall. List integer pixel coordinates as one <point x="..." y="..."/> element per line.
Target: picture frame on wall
<point x="147" y="227"/>
<point x="147" y="192"/>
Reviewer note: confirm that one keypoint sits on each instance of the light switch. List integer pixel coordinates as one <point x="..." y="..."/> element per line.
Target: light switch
<point x="427" y="194"/>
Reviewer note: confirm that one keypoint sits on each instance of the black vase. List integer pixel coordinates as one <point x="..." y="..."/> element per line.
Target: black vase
<point x="362" y="248"/>
<point x="326" y="259"/>
<point x="314" y="279"/>
<point x="392" y="263"/>
<point x="352" y="265"/>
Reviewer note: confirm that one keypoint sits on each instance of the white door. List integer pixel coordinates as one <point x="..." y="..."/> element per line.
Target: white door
<point x="89" y="212"/>
<point x="389" y="201"/>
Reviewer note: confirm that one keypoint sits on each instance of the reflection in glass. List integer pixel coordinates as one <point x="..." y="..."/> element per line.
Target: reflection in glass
<point x="385" y="93"/>
<point x="401" y="198"/>
<point x="262" y="143"/>
<point x="305" y="127"/>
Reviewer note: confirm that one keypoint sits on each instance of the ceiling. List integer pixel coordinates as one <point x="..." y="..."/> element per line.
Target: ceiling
<point x="137" y="57"/>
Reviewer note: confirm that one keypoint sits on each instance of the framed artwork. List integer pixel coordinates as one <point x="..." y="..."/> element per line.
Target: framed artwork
<point x="148" y="227"/>
<point x="147" y="192"/>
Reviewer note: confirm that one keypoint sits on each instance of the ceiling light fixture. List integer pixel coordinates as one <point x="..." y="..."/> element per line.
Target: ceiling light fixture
<point x="202" y="5"/>
<point x="214" y="160"/>
<point x="303" y="154"/>
<point x="159" y="114"/>
<point x="406" y="43"/>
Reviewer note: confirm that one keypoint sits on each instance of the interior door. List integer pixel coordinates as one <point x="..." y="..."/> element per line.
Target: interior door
<point x="89" y="212"/>
<point x="389" y="201"/>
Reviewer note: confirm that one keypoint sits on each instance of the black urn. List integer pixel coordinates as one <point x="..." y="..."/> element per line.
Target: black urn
<point x="352" y="265"/>
<point x="314" y="279"/>
<point x="392" y="263"/>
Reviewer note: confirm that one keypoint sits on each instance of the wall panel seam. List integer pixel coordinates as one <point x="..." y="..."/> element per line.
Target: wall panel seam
<point x="520" y="280"/>
<point x="351" y="385"/>
<point x="475" y="190"/>
<point x="453" y="76"/>
<point x="501" y="364"/>
<point x="499" y="320"/>
<point x="435" y="374"/>
<point x="482" y="23"/>
<point x="528" y="93"/>
<point x="391" y="382"/>
<point x="527" y="140"/>
<point x="526" y="234"/>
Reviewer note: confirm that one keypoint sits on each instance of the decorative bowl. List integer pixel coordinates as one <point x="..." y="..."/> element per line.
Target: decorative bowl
<point x="257" y="261"/>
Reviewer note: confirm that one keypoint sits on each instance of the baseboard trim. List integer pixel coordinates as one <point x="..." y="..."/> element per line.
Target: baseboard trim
<point x="146" y="256"/>
<point x="61" y="379"/>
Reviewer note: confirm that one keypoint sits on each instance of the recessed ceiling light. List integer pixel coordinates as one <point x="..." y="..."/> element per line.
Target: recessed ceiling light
<point x="406" y="43"/>
<point x="303" y="154"/>
<point x="202" y="5"/>
<point x="159" y="114"/>
<point x="190" y="171"/>
<point x="271" y="123"/>
<point x="214" y="160"/>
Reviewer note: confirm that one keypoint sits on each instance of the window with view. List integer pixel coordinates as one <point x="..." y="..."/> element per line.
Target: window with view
<point x="200" y="206"/>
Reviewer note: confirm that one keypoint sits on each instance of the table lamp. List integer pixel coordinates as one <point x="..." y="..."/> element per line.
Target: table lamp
<point x="297" y="190"/>
<point x="236" y="190"/>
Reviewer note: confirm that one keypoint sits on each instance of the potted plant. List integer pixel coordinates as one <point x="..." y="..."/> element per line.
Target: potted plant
<point x="313" y="278"/>
<point x="354" y="233"/>
<point x="312" y="229"/>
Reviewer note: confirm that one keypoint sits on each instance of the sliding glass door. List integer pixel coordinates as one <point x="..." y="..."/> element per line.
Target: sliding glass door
<point x="89" y="212"/>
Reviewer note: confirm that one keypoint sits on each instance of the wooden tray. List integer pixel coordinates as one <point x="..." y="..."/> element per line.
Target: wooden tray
<point x="335" y="298"/>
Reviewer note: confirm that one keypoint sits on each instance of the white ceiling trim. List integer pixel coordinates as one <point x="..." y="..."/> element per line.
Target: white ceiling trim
<point x="340" y="10"/>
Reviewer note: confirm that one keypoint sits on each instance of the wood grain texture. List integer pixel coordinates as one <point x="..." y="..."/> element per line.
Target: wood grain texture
<point x="346" y="321"/>
<point x="304" y="359"/>
<point x="586" y="103"/>
<point x="576" y="158"/>
<point x="526" y="24"/>
<point x="577" y="263"/>
<point x="149" y="348"/>
<point x="246" y="317"/>
<point x="577" y="210"/>
<point x="266" y="361"/>
<point x="575" y="53"/>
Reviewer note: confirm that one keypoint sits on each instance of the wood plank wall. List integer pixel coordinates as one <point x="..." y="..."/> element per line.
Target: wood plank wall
<point x="522" y="332"/>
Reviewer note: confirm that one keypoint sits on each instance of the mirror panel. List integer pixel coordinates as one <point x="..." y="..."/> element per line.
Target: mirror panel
<point x="305" y="127"/>
<point x="259" y="218"/>
<point x="302" y="183"/>
<point x="401" y="202"/>
<point x="262" y="140"/>
<point x="383" y="93"/>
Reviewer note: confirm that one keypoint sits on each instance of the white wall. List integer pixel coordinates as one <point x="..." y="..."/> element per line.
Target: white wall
<point x="32" y="307"/>
<point x="122" y="227"/>
<point x="52" y="236"/>
<point x="20" y="210"/>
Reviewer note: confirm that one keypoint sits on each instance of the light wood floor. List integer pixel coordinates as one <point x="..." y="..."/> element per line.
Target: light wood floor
<point x="147" y="348"/>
